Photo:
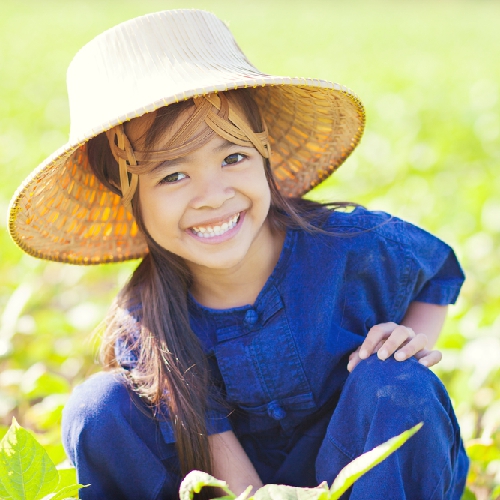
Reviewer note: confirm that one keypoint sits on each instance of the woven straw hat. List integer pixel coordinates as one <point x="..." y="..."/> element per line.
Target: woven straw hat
<point x="62" y="212"/>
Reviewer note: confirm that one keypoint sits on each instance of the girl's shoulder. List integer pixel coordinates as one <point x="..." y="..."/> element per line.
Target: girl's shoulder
<point x="378" y="249"/>
<point x="370" y="225"/>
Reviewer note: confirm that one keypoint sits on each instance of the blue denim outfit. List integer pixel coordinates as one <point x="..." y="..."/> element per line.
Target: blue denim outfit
<point x="281" y="364"/>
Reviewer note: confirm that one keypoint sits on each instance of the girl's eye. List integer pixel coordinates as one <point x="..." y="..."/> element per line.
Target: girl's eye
<point x="233" y="159"/>
<point x="171" y="178"/>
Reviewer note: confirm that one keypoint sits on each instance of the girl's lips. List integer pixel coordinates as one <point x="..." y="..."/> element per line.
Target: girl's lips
<point x="228" y="234"/>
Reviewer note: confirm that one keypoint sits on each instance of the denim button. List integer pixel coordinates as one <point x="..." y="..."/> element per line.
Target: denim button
<point x="251" y="317"/>
<point x="275" y="411"/>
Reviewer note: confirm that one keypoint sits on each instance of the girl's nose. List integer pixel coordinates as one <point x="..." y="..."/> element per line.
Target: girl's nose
<point x="212" y="191"/>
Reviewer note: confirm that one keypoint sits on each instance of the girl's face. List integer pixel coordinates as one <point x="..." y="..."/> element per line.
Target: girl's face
<point x="209" y="207"/>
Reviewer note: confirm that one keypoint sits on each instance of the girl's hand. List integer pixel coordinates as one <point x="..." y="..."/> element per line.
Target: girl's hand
<point x="387" y="339"/>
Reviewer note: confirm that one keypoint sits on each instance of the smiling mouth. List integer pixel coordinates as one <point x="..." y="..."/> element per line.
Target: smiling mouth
<point x="216" y="230"/>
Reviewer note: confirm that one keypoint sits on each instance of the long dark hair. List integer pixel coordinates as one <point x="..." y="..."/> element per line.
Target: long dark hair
<point x="172" y="370"/>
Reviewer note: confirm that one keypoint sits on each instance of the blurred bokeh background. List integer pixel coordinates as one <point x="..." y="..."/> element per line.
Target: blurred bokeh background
<point x="428" y="73"/>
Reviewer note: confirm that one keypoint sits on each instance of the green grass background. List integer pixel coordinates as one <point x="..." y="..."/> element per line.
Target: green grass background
<point x="428" y="73"/>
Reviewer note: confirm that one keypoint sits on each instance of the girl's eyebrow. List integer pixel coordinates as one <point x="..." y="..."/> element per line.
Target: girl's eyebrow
<point x="223" y="145"/>
<point x="167" y="164"/>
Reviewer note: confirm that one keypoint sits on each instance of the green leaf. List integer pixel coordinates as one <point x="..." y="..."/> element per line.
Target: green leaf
<point x="68" y="492"/>
<point x="245" y="494"/>
<point x="55" y="450"/>
<point x="196" y="480"/>
<point x="242" y="496"/>
<point x="26" y="471"/>
<point x="67" y="477"/>
<point x="359" y="466"/>
<point x="3" y="491"/>
<point x="282" y="492"/>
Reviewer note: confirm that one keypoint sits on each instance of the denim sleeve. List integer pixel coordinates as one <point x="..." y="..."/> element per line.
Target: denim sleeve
<point x="387" y="263"/>
<point x="437" y="275"/>
<point x="217" y="416"/>
<point x="217" y="421"/>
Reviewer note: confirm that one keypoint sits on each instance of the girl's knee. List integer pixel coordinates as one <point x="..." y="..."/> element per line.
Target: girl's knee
<point x="102" y="422"/>
<point x="384" y="398"/>
<point x="380" y="400"/>
<point x="101" y="395"/>
<point x="405" y="384"/>
<point x="94" y="408"/>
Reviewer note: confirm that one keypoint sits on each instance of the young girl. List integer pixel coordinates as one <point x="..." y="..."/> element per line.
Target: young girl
<point x="262" y="338"/>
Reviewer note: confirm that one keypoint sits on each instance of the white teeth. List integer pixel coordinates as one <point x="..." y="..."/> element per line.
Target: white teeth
<point x="210" y="232"/>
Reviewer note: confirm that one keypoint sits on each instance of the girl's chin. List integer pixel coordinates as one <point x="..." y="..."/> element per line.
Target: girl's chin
<point x="218" y="263"/>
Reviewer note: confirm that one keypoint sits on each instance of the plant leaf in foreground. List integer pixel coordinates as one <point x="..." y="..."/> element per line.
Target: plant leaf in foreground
<point x="196" y="480"/>
<point x="26" y="470"/>
<point x="68" y="492"/>
<point x="242" y="496"/>
<point x="359" y="466"/>
<point x="67" y="477"/>
<point x="282" y="492"/>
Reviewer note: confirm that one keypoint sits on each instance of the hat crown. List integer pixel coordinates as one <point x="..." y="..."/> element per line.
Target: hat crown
<point x="129" y="69"/>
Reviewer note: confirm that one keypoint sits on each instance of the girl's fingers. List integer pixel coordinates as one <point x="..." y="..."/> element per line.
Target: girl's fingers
<point x="430" y="358"/>
<point x="424" y="356"/>
<point x="354" y="358"/>
<point x="374" y="336"/>
<point x="387" y="339"/>
<point x="415" y="345"/>
<point x="400" y="336"/>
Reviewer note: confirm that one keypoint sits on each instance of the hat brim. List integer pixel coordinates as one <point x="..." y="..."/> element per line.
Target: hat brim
<point x="63" y="213"/>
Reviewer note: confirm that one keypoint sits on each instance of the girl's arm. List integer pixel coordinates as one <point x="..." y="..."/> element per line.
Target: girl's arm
<point x="427" y="319"/>
<point x="231" y="463"/>
<point x="417" y="334"/>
